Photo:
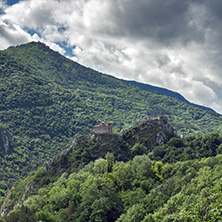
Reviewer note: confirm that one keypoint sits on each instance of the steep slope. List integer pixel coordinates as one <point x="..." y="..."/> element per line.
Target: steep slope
<point x="58" y="69"/>
<point x="47" y="99"/>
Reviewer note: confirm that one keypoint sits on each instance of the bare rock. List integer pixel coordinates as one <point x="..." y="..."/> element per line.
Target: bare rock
<point x="6" y="138"/>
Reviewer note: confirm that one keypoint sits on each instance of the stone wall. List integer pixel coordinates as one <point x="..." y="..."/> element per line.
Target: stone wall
<point x="103" y="128"/>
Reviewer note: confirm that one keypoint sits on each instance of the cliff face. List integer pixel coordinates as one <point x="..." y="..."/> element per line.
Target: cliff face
<point x="6" y="138"/>
<point x="152" y="132"/>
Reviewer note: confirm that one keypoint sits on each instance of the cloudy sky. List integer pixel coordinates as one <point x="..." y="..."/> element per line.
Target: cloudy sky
<point x="175" y="44"/>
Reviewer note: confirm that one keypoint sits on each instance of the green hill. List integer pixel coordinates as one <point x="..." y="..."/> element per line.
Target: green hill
<point x="47" y="100"/>
<point x="120" y="177"/>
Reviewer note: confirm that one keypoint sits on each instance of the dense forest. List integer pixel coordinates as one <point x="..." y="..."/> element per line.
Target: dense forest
<point x="48" y="100"/>
<point x="140" y="189"/>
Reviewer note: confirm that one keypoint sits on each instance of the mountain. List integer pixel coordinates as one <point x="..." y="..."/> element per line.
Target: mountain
<point x="108" y="96"/>
<point x="167" y="92"/>
<point x="47" y="100"/>
<point x="143" y="171"/>
<point x="120" y="177"/>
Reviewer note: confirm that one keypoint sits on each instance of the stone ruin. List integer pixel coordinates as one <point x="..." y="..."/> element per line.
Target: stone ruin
<point x="103" y="128"/>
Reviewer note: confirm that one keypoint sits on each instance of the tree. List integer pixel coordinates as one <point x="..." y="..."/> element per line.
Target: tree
<point x="134" y="214"/>
<point x="110" y="162"/>
<point x="21" y="214"/>
<point x="142" y="167"/>
<point x="138" y="149"/>
<point x="176" y="142"/>
<point x="207" y="209"/>
<point x="45" y="216"/>
<point x="100" y="166"/>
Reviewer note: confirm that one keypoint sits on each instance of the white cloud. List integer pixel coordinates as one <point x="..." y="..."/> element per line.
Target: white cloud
<point x="30" y="14"/>
<point x="173" y="44"/>
<point x="12" y="35"/>
<point x="2" y="5"/>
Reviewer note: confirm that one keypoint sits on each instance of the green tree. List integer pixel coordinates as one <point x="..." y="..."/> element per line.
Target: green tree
<point x="142" y="167"/>
<point x="176" y="142"/>
<point x="45" y="216"/>
<point x="134" y="214"/>
<point x="110" y="162"/>
<point x="208" y="209"/>
<point x="21" y="214"/>
<point x="138" y="149"/>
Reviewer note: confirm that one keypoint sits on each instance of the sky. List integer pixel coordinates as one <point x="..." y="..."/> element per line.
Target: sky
<point x="174" y="44"/>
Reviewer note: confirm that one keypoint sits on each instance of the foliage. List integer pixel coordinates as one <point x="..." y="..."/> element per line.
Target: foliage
<point x="21" y="214"/>
<point x="90" y="148"/>
<point x="194" y="147"/>
<point x="138" y="149"/>
<point x="47" y="100"/>
<point x="132" y="191"/>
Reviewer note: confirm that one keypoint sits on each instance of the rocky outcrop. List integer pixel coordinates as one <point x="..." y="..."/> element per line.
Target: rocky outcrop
<point x="7" y="206"/>
<point x="64" y="152"/>
<point x="5" y="210"/>
<point x="28" y="189"/>
<point x="164" y="130"/>
<point x="152" y="132"/>
<point x="6" y="138"/>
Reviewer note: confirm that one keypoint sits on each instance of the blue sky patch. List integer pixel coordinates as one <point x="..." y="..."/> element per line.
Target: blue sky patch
<point x="33" y="31"/>
<point x="12" y="2"/>
<point x="67" y="48"/>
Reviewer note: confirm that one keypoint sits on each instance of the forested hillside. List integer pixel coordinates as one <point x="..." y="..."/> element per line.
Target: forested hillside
<point x="137" y="189"/>
<point x="41" y="118"/>
<point x="109" y="97"/>
<point x="47" y="100"/>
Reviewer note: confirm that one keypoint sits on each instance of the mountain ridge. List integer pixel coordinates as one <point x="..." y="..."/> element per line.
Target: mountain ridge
<point x="167" y="92"/>
<point x="148" y="87"/>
